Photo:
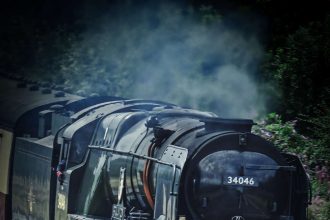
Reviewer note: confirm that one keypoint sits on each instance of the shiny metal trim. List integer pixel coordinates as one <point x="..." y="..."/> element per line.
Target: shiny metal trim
<point x="237" y="218"/>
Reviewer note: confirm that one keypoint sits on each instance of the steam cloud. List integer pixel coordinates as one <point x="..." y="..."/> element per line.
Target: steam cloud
<point x="165" y="53"/>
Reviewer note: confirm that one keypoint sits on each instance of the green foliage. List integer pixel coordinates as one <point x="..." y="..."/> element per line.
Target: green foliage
<point x="320" y="211"/>
<point x="311" y="151"/>
<point x="325" y="211"/>
<point x="318" y="128"/>
<point x="299" y="70"/>
<point x="284" y="136"/>
<point x="319" y="188"/>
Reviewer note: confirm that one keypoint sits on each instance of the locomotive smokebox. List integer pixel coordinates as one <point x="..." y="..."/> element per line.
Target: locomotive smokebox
<point x="227" y="177"/>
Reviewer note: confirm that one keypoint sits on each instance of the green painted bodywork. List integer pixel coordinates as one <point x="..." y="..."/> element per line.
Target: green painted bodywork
<point x="31" y="179"/>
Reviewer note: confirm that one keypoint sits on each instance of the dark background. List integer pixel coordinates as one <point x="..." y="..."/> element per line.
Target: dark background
<point x="294" y="35"/>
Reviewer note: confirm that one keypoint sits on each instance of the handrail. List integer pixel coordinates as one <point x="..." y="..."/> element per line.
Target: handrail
<point x="133" y="155"/>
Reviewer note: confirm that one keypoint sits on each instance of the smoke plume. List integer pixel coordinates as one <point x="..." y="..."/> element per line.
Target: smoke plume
<point x="164" y="52"/>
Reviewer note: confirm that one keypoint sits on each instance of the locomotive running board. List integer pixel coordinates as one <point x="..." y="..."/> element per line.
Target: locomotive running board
<point x="83" y="217"/>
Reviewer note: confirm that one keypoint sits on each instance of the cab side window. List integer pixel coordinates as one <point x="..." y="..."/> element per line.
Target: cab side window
<point x="106" y="130"/>
<point x="79" y="145"/>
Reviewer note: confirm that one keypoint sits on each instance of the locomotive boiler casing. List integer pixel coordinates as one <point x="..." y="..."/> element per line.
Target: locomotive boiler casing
<point x="69" y="157"/>
<point x="185" y="143"/>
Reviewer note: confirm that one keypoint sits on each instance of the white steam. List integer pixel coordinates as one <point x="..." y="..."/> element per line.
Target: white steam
<point x="165" y="53"/>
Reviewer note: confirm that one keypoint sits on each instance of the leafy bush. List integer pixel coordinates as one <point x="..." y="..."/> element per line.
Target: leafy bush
<point x="313" y="151"/>
<point x="299" y="69"/>
<point x="284" y="136"/>
<point x="320" y="211"/>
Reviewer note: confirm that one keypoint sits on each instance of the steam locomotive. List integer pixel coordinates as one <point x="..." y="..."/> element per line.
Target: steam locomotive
<point x="64" y="156"/>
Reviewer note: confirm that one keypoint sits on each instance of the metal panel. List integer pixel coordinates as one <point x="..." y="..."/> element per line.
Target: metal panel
<point x="31" y="178"/>
<point x="6" y="138"/>
<point x="3" y="205"/>
<point x="168" y="181"/>
<point x="18" y="100"/>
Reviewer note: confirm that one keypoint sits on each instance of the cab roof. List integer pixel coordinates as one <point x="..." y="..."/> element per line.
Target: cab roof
<point x="18" y="97"/>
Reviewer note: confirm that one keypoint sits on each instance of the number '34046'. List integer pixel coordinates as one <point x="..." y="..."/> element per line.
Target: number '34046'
<point x="240" y="180"/>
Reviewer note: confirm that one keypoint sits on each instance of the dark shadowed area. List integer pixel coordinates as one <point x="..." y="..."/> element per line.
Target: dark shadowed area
<point x="167" y="50"/>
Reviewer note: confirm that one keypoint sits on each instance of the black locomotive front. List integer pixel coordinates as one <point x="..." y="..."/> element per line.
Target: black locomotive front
<point x="239" y="176"/>
<point x="175" y="163"/>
